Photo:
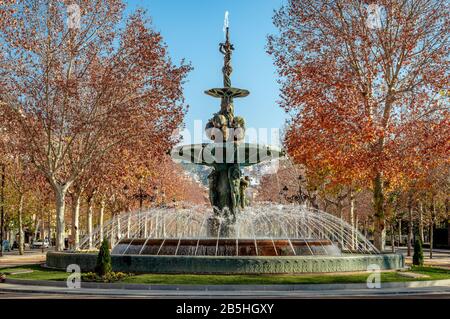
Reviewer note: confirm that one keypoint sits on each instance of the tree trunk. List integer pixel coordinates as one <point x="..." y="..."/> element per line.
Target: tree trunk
<point x="342" y="225"/>
<point x="90" y="214"/>
<point x="164" y="226"/>
<point x="49" y="231"/>
<point x="379" y="219"/>
<point x="101" y="215"/>
<point x="76" y="201"/>
<point x="119" y="234"/>
<point x="2" y="207"/>
<point x="410" y="225"/>
<point x="42" y="227"/>
<point x="421" y="222"/>
<point x="60" y="194"/>
<point x="431" y="238"/>
<point x="352" y="217"/>
<point x="129" y="225"/>
<point x="399" y="232"/>
<point x="392" y="237"/>
<point x="36" y="229"/>
<point x="433" y="214"/>
<point x="21" y="235"/>
<point x="157" y="226"/>
<point x="113" y="235"/>
<point x="146" y="226"/>
<point x="366" y="228"/>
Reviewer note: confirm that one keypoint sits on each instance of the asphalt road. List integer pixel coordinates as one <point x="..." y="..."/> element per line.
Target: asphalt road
<point x="19" y="291"/>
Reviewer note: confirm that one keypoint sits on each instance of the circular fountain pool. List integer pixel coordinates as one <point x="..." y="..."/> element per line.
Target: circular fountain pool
<point x="266" y="238"/>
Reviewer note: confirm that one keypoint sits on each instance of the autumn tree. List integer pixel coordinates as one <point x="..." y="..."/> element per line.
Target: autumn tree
<point x="431" y="192"/>
<point x="21" y="180"/>
<point x="357" y="82"/>
<point x="78" y="88"/>
<point x="126" y="181"/>
<point x="290" y="183"/>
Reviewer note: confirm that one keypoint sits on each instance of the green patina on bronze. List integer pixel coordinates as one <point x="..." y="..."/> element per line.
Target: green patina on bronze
<point x="226" y="182"/>
<point x="229" y="265"/>
<point x="227" y="154"/>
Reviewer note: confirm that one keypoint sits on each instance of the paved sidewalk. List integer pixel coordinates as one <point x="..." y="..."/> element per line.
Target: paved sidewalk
<point x="12" y="259"/>
<point x="441" y="257"/>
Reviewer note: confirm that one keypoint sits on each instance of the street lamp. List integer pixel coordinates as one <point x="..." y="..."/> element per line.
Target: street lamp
<point x="154" y="197"/>
<point x="141" y="196"/>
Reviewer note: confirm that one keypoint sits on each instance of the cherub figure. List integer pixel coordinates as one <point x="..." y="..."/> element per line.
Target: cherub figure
<point x="245" y="182"/>
<point x="239" y="128"/>
<point x="234" y="176"/>
<point x="216" y="126"/>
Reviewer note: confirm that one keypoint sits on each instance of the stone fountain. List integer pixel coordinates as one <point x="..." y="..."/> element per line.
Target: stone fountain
<point x="227" y="154"/>
<point x="229" y="237"/>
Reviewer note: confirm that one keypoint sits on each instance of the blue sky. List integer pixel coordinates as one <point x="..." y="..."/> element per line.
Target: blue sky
<point x="193" y="29"/>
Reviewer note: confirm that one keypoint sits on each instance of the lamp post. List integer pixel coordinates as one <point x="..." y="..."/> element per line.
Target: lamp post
<point x="141" y="196"/>
<point x="154" y="197"/>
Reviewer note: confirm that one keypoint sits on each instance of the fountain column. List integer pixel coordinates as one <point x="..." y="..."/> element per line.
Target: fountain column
<point x="227" y="131"/>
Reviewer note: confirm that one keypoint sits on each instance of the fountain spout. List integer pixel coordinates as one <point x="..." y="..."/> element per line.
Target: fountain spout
<point x="227" y="49"/>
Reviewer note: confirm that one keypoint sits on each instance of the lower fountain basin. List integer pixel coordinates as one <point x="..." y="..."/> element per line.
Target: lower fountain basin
<point x="226" y="247"/>
<point x="229" y="264"/>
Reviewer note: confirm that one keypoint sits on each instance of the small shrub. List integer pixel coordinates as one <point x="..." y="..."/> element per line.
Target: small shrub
<point x="115" y="276"/>
<point x="109" y="277"/>
<point x="103" y="266"/>
<point x="418" y="253"/>
<point x="2" y="277"/>
<point x="90" y="276"/>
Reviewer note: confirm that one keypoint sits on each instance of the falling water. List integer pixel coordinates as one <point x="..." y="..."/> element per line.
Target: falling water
<point x="262" y="229"/>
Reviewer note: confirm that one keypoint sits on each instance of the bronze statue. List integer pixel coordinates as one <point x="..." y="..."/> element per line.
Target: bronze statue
<point x="234" y="177"/>
<point x="227" y="154"/>
<point x="212" y="187"/>
<point x="244" y="183"/>
<point x="226" y="49"/>
<point x="224" y="127"/>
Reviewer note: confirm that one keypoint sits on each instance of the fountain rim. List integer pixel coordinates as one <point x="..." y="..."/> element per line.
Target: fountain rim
<point x="229" y="264"/>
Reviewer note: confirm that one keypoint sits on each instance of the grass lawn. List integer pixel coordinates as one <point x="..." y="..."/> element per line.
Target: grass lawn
<point x="40" y="273"/>
<point x="434" y="273"/>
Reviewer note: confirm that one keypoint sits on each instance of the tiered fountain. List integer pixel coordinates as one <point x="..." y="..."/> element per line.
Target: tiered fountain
<point x="230" y="237"/>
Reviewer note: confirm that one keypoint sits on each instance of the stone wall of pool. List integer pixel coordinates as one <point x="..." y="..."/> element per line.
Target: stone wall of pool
<point x="228" y="265"/>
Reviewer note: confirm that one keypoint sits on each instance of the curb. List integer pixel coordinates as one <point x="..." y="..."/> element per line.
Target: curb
<point x="287" y="287"/>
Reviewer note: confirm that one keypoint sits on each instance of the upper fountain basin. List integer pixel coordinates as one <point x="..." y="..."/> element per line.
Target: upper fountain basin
<point x="244" y="154"/>
<point x="227" y="92"/>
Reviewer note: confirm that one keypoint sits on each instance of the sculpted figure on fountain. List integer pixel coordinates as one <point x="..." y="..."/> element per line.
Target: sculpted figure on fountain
<point x="245" y="182"/>
<point x="225" y="181"/>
